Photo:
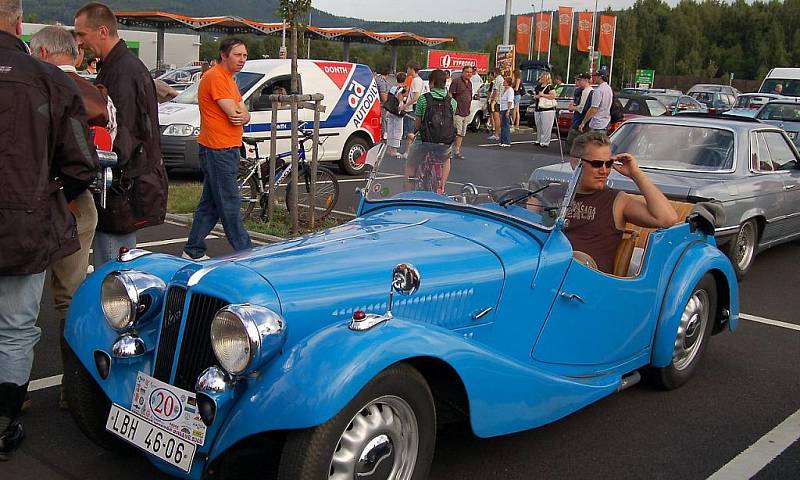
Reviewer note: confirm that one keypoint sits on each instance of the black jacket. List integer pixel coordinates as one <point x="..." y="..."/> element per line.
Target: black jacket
<point x="46" y="160"/>
<point x="138" y="197"/>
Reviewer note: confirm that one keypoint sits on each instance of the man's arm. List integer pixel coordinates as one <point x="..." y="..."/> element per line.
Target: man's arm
<point x="587" y="117"/>
<point x="75" y="159"/>
<point x="236" y="111"/>
<point x="655" y="211"/>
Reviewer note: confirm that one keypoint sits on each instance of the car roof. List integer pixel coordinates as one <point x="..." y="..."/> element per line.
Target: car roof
<point x="634" y="96"/>
<point x="785" y="101"/>
<point x="704" y="120"/>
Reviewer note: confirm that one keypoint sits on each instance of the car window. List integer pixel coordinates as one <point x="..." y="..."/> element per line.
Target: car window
<point x="760" y="160"/>
<point x="633" y="106"/>
<point x="656" y="108"/>
<point x="782" y="112"/>
<point x="245" y="81"/>
<point x="272" y="86"/>
<point x="782" y="155"/>
<point x="790" y="87"/>
<point x="424" y="74"/>
<point x="703" y="97"/>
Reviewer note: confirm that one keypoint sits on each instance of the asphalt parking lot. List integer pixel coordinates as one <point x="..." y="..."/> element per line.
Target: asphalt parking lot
<point x="739" y="417"/>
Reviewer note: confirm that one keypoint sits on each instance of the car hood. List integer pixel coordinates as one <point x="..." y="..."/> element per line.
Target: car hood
<point x="324" y="277"/>
<point x="675" y="185"/>
<point x="172" y="113"/>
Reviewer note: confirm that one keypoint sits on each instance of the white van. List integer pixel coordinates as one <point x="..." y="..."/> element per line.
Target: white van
<point x="788" y="77"/>
<point x="351" y="122"/>
<point x="477" y="113"/>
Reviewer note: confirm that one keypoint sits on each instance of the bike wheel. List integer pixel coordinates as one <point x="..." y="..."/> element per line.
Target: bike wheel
<point x="249" y="192"/>
<point x="327" y="195"/>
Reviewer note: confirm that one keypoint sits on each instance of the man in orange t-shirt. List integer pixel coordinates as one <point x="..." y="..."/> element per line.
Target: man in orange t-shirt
<point x="222" y="115"/>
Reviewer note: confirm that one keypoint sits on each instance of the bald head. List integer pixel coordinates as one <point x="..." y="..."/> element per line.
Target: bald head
<point x="11" y="16"/>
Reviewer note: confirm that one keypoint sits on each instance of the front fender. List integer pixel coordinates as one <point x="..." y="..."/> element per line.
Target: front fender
<point x="309" y="384"/>
<point x="698" y="259"/>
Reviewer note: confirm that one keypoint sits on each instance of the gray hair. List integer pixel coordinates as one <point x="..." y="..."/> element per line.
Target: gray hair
<point x="599" y="139"/>
<point x="54" y="40"/>
<point x="10" y="12"/>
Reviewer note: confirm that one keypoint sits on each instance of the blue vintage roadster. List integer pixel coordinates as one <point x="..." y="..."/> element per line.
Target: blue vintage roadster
<point x="338" y="354"/>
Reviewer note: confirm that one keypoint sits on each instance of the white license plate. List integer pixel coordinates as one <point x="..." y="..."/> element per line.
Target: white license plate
<point x="169" y="407"/>
<point x="150" y="438"/>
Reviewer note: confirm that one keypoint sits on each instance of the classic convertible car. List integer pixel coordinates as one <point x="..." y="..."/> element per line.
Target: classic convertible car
<point x="467" y="306"/>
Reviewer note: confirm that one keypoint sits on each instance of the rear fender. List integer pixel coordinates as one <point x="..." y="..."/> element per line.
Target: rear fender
<point x="698" y="259"/>
<point x="307" y="386"/>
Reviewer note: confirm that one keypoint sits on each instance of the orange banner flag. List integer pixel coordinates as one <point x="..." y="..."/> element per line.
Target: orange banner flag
<point x="542" y="40"/>
<point x="584" y="31"/>
<point x="523" y="33"/>
<point x="564" y="26"/>
<point x="605" y="41"/>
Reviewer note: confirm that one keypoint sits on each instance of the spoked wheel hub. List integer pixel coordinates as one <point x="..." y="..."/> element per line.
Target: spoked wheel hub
<point x="691" y="329"/>
<point x="745" y="245"/>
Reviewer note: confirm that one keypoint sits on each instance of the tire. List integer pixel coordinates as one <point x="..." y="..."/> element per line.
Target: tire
<point x="353" y="149"/>
<point x="88" y="404"/>
<point x="741" y="249"/>
<point x="400" y="409"/>
<point x="250" y="194"/>
<point x="327" y="195"/>
<point x="694" y="331"/>
<point x="477" y="121"/>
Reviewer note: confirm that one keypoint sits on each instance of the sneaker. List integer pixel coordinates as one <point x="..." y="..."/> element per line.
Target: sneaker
<point x="201" y="259"/>
<point x="505" y="144"/>
<point x="458" y="156"/>
<point x="494" y="138"/>
<point x="10" y="438"/>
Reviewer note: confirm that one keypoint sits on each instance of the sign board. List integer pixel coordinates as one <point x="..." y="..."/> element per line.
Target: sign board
<point x="504" y="61"/>
<point x="447" y="59"/>
<point x="644" y="78"/>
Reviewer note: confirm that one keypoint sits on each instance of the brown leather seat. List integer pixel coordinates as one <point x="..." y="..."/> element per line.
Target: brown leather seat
<point x="636" y="236"/>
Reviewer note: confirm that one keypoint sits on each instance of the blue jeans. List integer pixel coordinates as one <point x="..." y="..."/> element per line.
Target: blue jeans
<point x="20" y="297"/>
<point x="505" y="127"/>
<point x="220" y="201"/>
<point x="105" y="246"/>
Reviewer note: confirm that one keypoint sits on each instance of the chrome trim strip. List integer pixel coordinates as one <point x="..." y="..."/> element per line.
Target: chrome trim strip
<point x="133" y="254"/>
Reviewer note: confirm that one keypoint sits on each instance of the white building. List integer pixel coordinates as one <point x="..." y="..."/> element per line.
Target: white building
<point x="179" y="49"/>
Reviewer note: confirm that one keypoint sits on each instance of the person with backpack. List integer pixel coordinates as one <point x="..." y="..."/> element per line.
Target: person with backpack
<point x="599" y="115"/>
<point x="393" y="107"/>
<point x="435" y="128"/>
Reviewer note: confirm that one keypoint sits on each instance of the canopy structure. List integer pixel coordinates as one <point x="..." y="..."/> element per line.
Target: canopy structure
<point x="162" y="21"/>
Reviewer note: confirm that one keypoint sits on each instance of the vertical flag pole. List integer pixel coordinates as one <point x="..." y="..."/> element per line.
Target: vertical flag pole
<point x="539" y="32"/>
<point x="592" y="44"/>
<point x="613" y="49"/>
<point x="569" y="55"/>
<point x="532" y="33"/>
<point x="550" y="38"/>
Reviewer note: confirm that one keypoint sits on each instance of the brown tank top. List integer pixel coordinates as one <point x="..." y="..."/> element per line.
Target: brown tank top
<point x="590" y="227"/>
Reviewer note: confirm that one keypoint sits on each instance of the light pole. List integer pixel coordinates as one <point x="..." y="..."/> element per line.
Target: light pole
<point x="507" y="24"/>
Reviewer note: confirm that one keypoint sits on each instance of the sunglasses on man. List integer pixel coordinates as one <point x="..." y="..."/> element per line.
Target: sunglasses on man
<point x="599" y="163"/>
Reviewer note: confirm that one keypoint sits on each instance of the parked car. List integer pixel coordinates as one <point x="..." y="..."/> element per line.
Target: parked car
<point x="632" y="106"/>
<point x="466" y="306"/>
<point x="182" y="78"/>
<point x="712" y="87"/>
<point x="650" y="91"/>
<point x="788" y="77"/>
<point x="750" y="167"/>
<point x="748" y="104"/>
<point x="684" y="103"/>
<point x="783" y="114"/>
<point x="716" y="102"/>
<point x="352" y="119"/>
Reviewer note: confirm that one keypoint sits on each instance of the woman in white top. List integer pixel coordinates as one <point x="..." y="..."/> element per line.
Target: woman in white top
<point x="506" y="110"/>
<point x="545" y="112"/>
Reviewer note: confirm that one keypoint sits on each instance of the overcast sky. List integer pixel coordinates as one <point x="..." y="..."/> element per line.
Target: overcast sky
<point x="449" y="10"/>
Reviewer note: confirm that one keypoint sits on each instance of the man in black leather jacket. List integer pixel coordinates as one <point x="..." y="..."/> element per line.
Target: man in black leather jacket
<point x="46" y="160"/>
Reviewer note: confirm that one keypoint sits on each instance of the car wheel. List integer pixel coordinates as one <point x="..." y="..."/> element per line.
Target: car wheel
<point x="353" y="149"/>
<point x="694" y="330"/>
<point x="741" y="249"/>
<point x="477" y="121"/>
<point x="387" y="432"/>
<point x="88" y="404"/>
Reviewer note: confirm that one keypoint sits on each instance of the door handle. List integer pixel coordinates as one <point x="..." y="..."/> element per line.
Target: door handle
<point x="572" y="296"/>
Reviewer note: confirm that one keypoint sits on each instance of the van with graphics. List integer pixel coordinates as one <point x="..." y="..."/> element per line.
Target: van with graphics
<point x="349" y="126"/>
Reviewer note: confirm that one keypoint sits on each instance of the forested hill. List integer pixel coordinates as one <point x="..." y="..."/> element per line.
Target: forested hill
<point x="710" y="38"/>
<point x="471" y="35"/>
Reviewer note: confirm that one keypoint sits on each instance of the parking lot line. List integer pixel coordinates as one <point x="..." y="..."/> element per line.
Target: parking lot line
<point x="758" y="455"/>
<point x="776" y="323"/>
<point x="42" y="383"/>
<point x="170" y="241"/>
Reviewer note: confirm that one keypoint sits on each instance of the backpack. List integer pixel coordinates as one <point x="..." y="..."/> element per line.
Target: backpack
<point x="437" y="124"/>
<point x="616" y="110"/>
<point x="392" y="105"/>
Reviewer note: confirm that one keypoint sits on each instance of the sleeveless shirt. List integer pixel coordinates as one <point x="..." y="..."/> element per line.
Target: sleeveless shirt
<point x="590" y="227"/>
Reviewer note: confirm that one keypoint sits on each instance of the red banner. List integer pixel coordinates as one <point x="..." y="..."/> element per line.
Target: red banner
<point x="605" y="41"/>
<point x="523" y="33"/>
<point x="565" y="26"/>
<point x="543" y="24"/>
<point x="584" y="31"/>
<point x="447" y="59"/>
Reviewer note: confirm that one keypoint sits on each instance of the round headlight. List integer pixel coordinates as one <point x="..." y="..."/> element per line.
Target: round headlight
<point x="244" y="337"/>
<point x="119" y="300"/>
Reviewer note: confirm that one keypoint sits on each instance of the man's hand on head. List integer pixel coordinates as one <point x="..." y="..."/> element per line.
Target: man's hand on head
<point x="626" y="164"/>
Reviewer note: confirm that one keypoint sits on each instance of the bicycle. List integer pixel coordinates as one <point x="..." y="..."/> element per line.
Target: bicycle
<point x="428" y="171"/>
<point x="253" y="181"/>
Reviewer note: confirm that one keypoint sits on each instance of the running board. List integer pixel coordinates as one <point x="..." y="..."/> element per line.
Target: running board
<point x="629" y="381"/>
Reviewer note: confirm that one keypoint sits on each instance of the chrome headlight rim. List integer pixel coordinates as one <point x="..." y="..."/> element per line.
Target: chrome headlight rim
<point x="265" y="332"/>
<point x="132" y="299"/>
<point x="143" y="292"/>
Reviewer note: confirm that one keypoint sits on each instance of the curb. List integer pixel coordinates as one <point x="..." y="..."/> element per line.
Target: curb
<point x="185" y="220"/>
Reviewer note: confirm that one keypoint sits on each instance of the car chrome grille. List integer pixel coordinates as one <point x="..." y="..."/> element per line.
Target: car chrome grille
<point x="195" y="352"/>
<point x="173" y="311"/>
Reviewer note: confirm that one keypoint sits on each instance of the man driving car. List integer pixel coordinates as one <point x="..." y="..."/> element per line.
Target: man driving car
<point x="597" y="216"/>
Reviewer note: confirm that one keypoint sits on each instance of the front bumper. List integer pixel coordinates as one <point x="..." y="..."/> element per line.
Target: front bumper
<point x="180" y="152"/>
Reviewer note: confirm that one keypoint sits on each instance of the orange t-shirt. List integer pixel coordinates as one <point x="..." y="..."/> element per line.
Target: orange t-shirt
<point x="216" y="131"/>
